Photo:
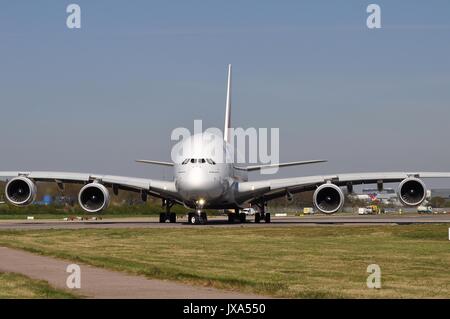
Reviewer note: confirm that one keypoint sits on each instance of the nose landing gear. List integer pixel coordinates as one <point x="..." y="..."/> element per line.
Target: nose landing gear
<point x="197" y="218"/>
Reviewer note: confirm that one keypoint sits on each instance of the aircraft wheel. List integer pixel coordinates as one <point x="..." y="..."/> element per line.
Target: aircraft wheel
<point x="267" y="218"/>
<point x="204" y="218"/>
<point x="257" y="217"/>
<point x="162" y="217"/>
<point x="242" y="217"/>
<point x="193" y="219"/>
<point x="230" y="218"/>
<point x="173" y="218"/>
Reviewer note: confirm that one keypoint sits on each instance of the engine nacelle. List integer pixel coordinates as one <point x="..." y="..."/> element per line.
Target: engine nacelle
<point x="328" y="198"/>
<point x="412" y="191"/>
<point x="20" y="191"/>
<point x="94" y="197"/>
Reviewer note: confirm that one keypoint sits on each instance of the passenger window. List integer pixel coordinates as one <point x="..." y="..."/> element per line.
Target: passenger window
<point x="202" y="160"/>
<point x="185" y="161"/>
<point x="193" y="160"/>
<point x="210" y="161"/>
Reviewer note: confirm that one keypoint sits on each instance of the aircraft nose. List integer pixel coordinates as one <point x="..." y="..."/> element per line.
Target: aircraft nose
<point x="197" y="179"/>
<point x="198" y="183"/>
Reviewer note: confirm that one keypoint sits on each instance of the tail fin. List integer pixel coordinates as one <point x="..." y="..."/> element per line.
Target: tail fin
<point x="226" y="131"/>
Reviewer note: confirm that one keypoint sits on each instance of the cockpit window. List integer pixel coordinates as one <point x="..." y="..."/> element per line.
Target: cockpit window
<point x="198" y="160"/>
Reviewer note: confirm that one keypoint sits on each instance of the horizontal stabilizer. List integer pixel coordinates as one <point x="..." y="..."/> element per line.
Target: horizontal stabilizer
<point x="259" y="167"/>
<point x="155" y="162"/>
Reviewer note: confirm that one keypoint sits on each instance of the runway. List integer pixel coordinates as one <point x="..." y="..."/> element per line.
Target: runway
<point x="291" y="221"/>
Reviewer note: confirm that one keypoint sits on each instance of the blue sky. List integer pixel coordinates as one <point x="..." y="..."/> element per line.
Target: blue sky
<point x="97" y="98"/>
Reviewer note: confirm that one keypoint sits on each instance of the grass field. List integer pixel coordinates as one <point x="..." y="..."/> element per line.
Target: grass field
<point x="149" y="209"/>
<point x="18" y="286"/>
<point x="59" y="212"/>
<point x="300" y="262"/>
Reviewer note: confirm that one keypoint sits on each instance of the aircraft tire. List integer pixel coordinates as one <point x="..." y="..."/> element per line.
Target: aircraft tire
<point x="193" y="219"/>
<point x="204" y="218"/>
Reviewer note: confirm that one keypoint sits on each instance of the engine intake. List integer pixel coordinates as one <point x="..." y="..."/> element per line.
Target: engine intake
<point x="20" y="191"/>
<point x="412" y="191"/>
<point x="328" y="198"/>
<point x="94" y="197"/>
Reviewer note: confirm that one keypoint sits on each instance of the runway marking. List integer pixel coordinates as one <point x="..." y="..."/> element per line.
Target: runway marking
<point x="102" y="283"/>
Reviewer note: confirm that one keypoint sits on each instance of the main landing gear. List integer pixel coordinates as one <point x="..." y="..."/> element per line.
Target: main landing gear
<point x="237" y="216"/>
<point x="197" y="218"/>
<point x="167" y="216"/>
<point x="261" y="214"/>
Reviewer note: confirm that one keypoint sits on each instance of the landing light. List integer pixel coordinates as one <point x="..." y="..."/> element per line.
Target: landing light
<point x="201" y="202"/>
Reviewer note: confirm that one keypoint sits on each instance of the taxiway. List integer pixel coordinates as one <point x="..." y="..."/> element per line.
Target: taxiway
<point x="152" y="222"/>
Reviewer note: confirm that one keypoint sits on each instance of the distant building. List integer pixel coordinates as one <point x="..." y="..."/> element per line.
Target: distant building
<point x="385" y="194"/>
<point x="440" y="192"/>
<point x="46" y="200"/>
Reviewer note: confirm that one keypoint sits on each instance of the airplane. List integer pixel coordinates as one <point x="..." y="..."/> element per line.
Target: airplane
<point x="202" y="182"/>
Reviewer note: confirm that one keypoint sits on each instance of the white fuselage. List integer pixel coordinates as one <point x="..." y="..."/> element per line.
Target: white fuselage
<point x="204" y="177"/>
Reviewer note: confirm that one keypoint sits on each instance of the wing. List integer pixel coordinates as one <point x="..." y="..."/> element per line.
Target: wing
<point x="262" y="167"/>
<point x="155" y="162"/>
<point x="157" y="188"/>
<point x="274" y="188"/>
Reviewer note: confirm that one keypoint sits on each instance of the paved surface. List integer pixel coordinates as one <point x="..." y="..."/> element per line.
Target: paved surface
<point x="101" y="283"/>
<point x="150" y="222"/>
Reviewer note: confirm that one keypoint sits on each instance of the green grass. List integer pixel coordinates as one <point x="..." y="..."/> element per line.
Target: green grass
<point x="19" y="286"/>
<point x="149" y="209"/>
<point x="59" y="212"/>
<point x="299" y="262"/>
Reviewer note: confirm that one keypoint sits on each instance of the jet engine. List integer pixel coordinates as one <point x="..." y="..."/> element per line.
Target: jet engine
<point x="328" y="198"/>
<point x="94" y="197"/>
<point x="20" y="191"/>
<point x="412" y="191"/>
